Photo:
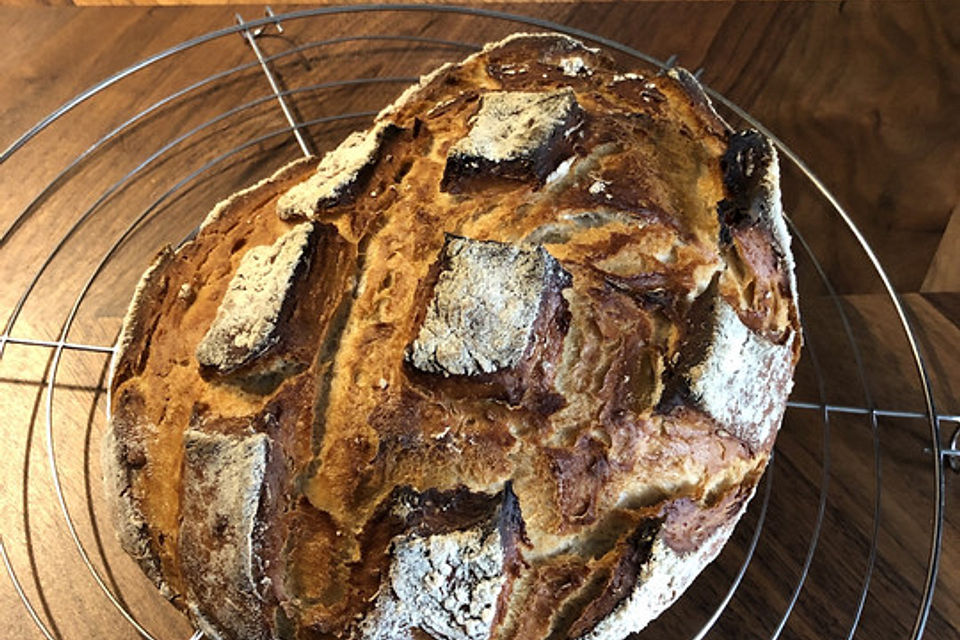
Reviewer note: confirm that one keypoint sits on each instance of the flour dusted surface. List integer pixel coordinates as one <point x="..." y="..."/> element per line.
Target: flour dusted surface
<point x="223" y="479"/>
<point x="248" y="315"/>
<point x="732" y="381"/>
<point x="336" y="173"/>
<point x="445" y="584"/>
<point x="514" y="124"/>
<point x="483" y="309"/>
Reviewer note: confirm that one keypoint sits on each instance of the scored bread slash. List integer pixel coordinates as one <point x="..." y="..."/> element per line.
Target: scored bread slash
<point x="517" y="135"/>
<point x="720" y="366"/>
<point x="447" y="582"/>
<point x="662" y="579"/>
<point x="730" y="367"/>
<point x="223" y="478"/>
<point x="248" y="317"/>
<point x="336" y="177"/>
<point x="486" y="300"/>
<point x="507" y="365"/>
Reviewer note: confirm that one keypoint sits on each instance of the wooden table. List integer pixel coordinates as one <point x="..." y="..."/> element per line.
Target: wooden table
<point x="866" y="94"/>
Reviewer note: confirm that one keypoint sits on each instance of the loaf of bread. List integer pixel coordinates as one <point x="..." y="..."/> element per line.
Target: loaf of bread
<point x="509" y="364"/>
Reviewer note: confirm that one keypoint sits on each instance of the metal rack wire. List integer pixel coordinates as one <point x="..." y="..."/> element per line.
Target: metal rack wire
<point x="301" y="131"/>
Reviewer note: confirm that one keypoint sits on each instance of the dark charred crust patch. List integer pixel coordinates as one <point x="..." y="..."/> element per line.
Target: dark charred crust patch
<point x="744" y="164"/>
<point x="695" y="338"/>
<point x="512" y="528"/>
<point x="435" y="512"/>
<point x="513" y="536"/>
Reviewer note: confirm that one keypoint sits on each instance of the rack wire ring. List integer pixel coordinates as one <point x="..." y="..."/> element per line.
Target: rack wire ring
<point x="953" y="460"/>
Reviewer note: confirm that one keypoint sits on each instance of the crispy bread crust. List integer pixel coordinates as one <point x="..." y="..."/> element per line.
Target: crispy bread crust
<point x="467" y="378"/>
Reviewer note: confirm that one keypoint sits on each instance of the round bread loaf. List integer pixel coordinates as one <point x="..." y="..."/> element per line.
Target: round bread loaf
<point x="509" y="364"/>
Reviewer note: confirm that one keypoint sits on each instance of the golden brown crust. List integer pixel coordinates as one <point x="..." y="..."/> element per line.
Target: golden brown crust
<point x="495" y="338"/>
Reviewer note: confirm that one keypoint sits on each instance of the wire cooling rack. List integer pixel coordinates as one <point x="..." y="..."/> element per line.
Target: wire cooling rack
<point x="833" y="531"/>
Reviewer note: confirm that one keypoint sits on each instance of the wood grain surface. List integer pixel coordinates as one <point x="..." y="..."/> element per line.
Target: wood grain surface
<point x="866" y="93"/>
